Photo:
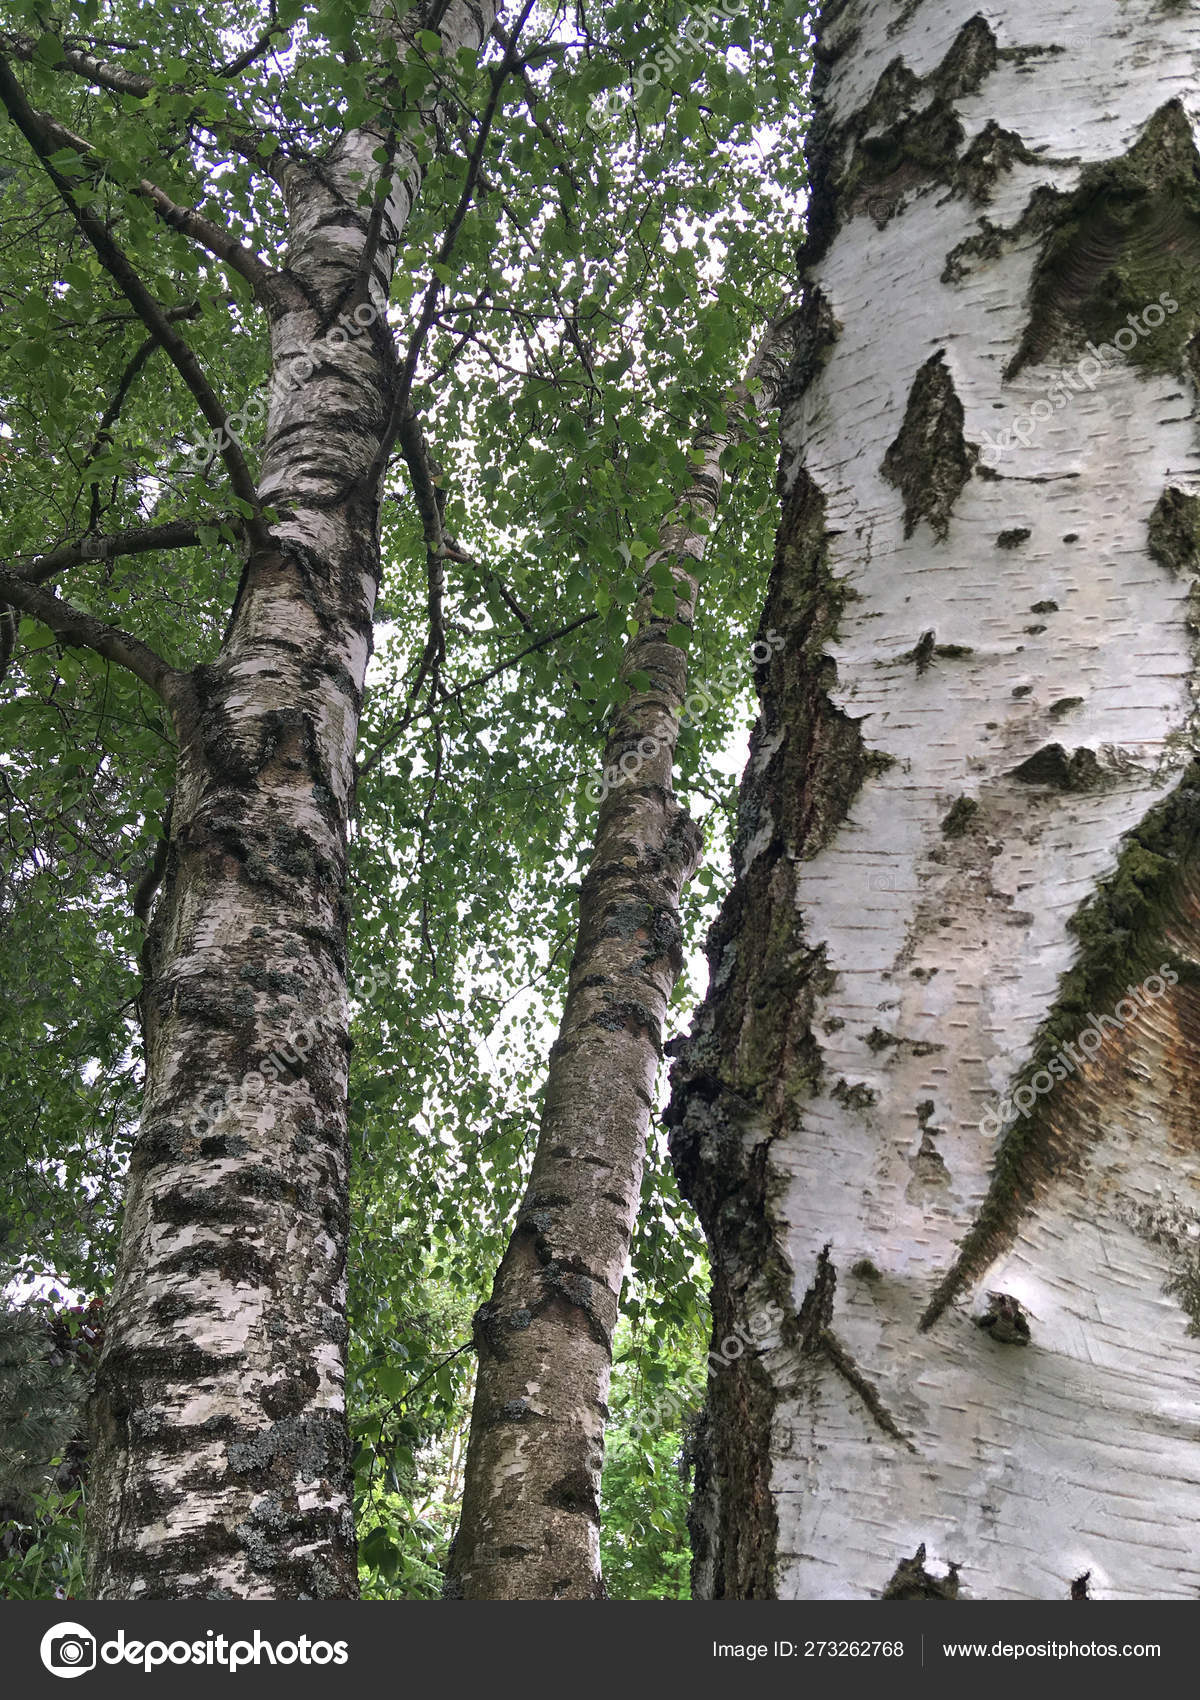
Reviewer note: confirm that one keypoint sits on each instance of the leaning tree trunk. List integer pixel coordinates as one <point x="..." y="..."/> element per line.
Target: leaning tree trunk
<point x="530" y="1525"/>
<point x="938" y="1113"/>
<point x="221" y="1462"/>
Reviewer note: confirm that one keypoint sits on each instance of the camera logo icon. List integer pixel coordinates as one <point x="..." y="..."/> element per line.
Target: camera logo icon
<point x="68" y="1649"/>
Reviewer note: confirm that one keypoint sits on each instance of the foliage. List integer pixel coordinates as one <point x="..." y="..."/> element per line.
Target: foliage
<point x="47" y="1357"/>
<point x="606" y="284"/>
<point x="648" y="1470"/>
<point x="410" y="1391"/>
<point x="41" y="1393"/>
<point x="41" y="1555"/>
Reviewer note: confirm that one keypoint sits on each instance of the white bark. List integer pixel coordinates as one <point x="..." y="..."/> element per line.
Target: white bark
<point x="530" y="1525"/>
<point x="221" y="1465"/>
<point x="1024" y="610"/>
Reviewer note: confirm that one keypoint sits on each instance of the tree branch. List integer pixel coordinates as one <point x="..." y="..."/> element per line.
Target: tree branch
<point x="235" y="67"/>
<point x="399" y="727"/>
<point x="175" y="534"/>
<point x="429" y="306"/>
<point x="263" y="279"/>
<point x="111" y="414"/>
<point x="84" y="631"/>
<point x="93" y="70"/>
<point x="32" y="127"/>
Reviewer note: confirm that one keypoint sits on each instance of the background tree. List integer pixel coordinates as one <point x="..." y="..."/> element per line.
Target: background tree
<point x="530" y="1524"/>
<point x="585" y="275"/>
<point x="936" y="1113"/>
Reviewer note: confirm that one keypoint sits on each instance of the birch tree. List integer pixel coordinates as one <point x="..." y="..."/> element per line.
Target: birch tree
<point x="221" y="1455"/>
<point x="530" y="1526"/>
<point x="937" y="1113"/>
<point x="247" y="368"/>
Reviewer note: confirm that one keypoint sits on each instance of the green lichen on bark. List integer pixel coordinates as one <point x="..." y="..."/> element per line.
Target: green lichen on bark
<point x="908" y="134"/>
<point x="930" y="460"/>
<point x="1174" y="529"/>
<point x="1124" y="244"/>
<point x="1123" y="937"/>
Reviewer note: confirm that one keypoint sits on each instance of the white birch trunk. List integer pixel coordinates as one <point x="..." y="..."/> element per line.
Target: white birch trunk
<point x="221" y="1464"/>
<point x="530" y="1525"/>
<point x="969" y="821"/>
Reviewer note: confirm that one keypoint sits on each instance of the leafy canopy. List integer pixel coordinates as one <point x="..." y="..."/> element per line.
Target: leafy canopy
<point x="604" y="285"/>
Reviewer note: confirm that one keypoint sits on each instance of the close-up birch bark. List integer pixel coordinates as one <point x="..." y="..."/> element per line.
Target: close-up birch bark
<point x="966" y="829"/>
<point x="492" y="1113"/>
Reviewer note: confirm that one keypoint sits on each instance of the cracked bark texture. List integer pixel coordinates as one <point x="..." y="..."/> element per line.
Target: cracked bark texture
<point x="968" y="823"/>
<point x="530" y="1525"/>
<point x="221" y="1461"/>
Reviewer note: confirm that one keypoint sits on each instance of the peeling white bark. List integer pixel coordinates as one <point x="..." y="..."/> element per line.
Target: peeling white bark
<point x="944" y="951"/>
<point x="530" y="1524"/>
<point x="221" y="1464"/>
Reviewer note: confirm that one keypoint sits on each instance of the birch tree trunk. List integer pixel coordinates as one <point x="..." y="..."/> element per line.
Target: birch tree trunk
<point x="938" y="1112"/>
<point x="221" y="1462"/>
<point x="530" y="1524"/>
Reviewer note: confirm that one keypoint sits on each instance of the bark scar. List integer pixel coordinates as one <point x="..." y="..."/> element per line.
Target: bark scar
<point x="812" y="1335"/>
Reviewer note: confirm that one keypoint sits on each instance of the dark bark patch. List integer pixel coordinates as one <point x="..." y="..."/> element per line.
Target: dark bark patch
<point x="171" y="1307"/>
<point x="908" y="134"/>
<point x="815" y="333"/>
<point x="856" y="1095"/>
<point x="816" y="1307"/>
<point x="287" y="1398"/>
<point x="929" y="1166"/>
<point x="304" y="1447"/>
<point x="732" y="1520"/>
<point x="1053" y="767"/>
<point x="233" y="1260"/>
<point x="1141" y="919"/>
<point x="185" y="1206"/>
<point x="930" y="461"/>
<point x="1004" y="1320"/>
<point x="1175" y="530"/>
<point x="1119" y="266"/>
<point x="270" y="1536"/>
<point x="960" y="817"/>
<point x="992" y="153"/>
<point x="575" y="1492"/>
<point x="911" y="1581"/>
